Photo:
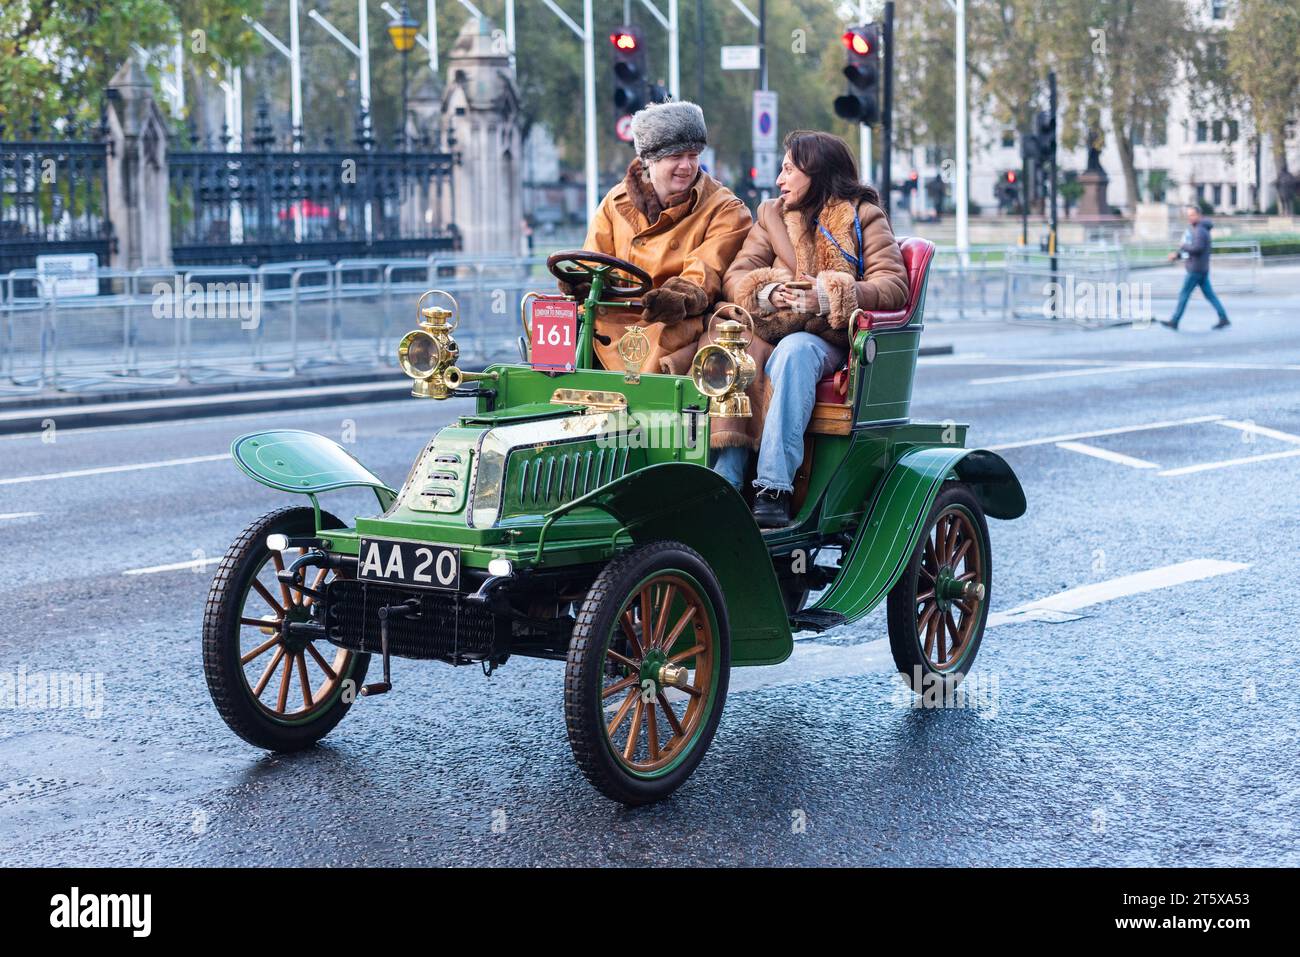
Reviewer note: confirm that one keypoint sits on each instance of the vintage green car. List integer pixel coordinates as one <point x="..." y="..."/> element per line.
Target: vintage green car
<point x="572" y="516"/>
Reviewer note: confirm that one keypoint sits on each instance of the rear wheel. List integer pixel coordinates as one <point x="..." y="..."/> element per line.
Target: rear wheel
<point x="274" y="688"/>
<point x="938" y="608"/>
<point x="647" y="672"/>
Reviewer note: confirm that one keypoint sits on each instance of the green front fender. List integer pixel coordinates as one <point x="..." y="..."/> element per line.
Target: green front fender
<point x="292" y="460"/>
<point x="698" y="507"/>
<point x="896" y="517"/>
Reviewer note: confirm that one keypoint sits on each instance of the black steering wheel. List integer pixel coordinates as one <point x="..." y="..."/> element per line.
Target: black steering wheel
<point x="624" y="281"/>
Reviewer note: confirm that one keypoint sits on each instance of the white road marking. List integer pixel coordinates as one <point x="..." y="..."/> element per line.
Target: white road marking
<point x="978" y="359"/>
<point x="1107" y="455"/>
<point x="109" y="469"/>
<point x="1260" y="430"/>
<point x="1070" y="373"/>
<point x="194" y="563"/>
<point x="9" y="515"/>
<point x="357" y="388"/>
<point x="815" y="661"/>
<point x="1118" y="430"/>
<point x="330" y="410"/>
<point x="1151" y="580"/>
<point x="1246" y="460"/>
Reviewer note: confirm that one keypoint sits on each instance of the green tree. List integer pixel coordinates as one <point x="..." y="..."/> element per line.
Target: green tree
<point x="1264" y="71"/>
<point x="1117" y="60"/>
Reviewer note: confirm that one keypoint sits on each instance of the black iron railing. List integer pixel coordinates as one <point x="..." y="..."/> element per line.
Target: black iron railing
<point x="53" y="193"/>
<point x="269" y="203"/>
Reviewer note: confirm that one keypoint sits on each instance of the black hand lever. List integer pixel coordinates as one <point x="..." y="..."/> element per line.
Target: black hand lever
<point x="407" y="609"/>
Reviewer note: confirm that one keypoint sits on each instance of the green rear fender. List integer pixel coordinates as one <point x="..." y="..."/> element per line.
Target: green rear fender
<point x="292" y="460"/>
<point x="696" y="506"/>
<point x="885" y="539"/>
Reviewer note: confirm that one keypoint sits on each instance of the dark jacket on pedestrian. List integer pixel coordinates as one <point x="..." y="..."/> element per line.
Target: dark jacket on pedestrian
<point x="1196" y="246"/>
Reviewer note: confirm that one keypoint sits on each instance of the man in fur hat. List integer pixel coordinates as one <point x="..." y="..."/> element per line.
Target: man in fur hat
<point x="677" y="223"/>
<point x="682" y="227"/>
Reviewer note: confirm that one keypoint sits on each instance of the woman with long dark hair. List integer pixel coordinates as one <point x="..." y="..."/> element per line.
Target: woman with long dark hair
<point x="816" y="252"/>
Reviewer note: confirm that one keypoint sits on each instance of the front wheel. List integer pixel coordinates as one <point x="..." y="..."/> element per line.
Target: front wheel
<point x="938" y="608"/>
<point x="647" y="671"/>
<point x="271" y="684"/>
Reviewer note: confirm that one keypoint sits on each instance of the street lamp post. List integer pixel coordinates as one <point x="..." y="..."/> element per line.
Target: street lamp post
<point x="401" y="30"/>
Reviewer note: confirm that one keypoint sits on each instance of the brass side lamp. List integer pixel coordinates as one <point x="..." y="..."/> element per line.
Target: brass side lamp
<point x="427" y="354"/>
<point x="722" y="369"/>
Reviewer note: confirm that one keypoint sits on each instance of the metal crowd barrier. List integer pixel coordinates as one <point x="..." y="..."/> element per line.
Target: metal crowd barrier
<point x="208" y="323"/>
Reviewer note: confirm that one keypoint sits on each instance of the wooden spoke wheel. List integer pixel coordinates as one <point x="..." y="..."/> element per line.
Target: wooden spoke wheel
<point x="938" y="608"/>
<point x="276" y="684"/>
<point x="647" y="672"/>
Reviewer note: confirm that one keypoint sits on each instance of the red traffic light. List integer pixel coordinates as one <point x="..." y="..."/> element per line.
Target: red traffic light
<point x="856" y="42"/>
<point x="623" y="41"/>
<point x="753" y="172"/>
<point x="914" y="176"/>
<point x="1011" y="176"/>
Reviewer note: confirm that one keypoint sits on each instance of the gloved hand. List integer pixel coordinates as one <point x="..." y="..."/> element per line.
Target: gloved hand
<point x="578" y="290"/>
<point x="672" y="302"/>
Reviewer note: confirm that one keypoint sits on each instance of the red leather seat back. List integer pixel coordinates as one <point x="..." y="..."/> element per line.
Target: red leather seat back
<point x="917" y="256"/>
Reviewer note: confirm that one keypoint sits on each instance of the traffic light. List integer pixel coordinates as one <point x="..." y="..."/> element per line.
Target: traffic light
<point x="630" y="87"/>
<point x="861" y="100"/>
<point x="1045" y="136"/>
<point x="1008" y="189"/>
<point x="1029" y="150"/>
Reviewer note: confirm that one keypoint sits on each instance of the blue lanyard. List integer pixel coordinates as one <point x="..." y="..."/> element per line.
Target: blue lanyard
<point x="854" y="261"/>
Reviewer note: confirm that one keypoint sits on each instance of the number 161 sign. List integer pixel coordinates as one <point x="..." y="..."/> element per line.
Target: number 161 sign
<point x="555" y="335"/>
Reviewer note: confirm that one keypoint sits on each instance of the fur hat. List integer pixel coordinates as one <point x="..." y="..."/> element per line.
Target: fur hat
<point x="662" y="129"/>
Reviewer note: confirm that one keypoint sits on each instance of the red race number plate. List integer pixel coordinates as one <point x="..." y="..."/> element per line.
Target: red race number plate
<point x="555" y="335"/>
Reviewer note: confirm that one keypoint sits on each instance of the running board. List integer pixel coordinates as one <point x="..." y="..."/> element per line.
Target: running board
<point x="814" y="619"/>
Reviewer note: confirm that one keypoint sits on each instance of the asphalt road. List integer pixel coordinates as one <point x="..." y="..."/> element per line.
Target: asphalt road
<point x="1143" y="716"/>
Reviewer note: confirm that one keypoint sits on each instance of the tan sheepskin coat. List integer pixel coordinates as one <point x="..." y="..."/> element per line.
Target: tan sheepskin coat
<point x="779" y="248"/>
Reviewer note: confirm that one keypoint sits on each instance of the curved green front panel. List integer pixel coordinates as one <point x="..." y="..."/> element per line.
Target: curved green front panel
<point x="292" y="460"/>
<point x="698" y="507"/>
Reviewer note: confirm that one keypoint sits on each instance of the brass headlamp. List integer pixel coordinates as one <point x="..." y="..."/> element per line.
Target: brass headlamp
<point x="722" y="370"/>
<point x="428" y="354"/>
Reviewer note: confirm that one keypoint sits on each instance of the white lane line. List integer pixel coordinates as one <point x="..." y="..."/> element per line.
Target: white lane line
<point x="194" y="563"/>
<point x="977" y="359"/>
<point x="814" y="661"/>
<point x="1070" y="373"/>
<point x="4" y="516"/>
<point x="1226" y="463"/>
<point x="1260" y="430"/>
<point x="1152" y="579"/>
<point x="1096" y="433"/>
<point x="180" y="402"/>
<point x="108" y="469"/>
<point x="1107" y="455"/>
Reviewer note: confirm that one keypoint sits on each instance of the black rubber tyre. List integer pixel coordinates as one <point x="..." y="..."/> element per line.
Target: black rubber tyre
<point x="229" y="599"/>
<point x="923" y="644"/>
<point x="614" y="609"/>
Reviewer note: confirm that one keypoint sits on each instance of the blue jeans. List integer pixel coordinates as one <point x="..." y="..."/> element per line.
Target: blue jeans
<point x="795" y="365"/>
<point x="1192" y="280"/>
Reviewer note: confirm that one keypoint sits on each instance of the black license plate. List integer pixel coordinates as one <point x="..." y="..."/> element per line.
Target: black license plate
<point x="409" y="563"/>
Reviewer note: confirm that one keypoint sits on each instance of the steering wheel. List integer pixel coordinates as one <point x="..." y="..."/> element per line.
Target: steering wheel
<point x="624" y="280"/>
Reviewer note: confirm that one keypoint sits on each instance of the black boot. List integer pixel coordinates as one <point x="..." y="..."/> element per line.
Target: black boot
<point x="1221" y="324"/>
<point x="1168" y="325"/>
<point x="772" y="508"/>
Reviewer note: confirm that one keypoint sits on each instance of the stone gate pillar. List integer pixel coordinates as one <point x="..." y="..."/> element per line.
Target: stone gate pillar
<point x="480" y="111"/>
<point x="137" y="172"/>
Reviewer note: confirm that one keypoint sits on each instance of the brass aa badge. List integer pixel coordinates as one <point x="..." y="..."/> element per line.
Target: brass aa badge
<point x="634" y="347"/>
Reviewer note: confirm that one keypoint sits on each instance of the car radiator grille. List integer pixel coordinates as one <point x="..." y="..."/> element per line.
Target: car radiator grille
<point x="449" y="628"/>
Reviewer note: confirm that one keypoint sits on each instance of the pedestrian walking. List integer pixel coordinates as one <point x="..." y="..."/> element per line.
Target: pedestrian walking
<point x="1195" y="253"/>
